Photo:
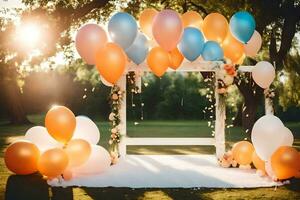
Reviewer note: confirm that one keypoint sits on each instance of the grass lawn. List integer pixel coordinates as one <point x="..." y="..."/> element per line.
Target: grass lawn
<point x="34" y="187"/>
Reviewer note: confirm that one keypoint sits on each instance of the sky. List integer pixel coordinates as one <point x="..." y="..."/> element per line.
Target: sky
<point x="11" y="3"/>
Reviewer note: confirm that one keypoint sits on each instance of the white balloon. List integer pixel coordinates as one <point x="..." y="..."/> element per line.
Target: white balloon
<point x="105" y="82"/>
<point x="289" y="137"/>
<point x="268" y="168"/>
<point x="267" y="136"/>
<point x="86" y="129"/>
<point x="39" y="136"/>
<point x="263" y="74"/>
<point x="98" y="162"/>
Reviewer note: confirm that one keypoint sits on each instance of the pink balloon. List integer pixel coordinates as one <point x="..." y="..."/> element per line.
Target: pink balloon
<point x="253" y="45"/>
<point x="89" y="39"/>
<point x="167" y="29"/>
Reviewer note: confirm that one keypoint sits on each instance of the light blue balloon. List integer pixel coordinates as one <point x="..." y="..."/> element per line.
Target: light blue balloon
<point x="191" y="43"/>
<point x="138" y="51"/>
<point x="122" y="29"/>
<point x="242" y="26"/>
<point x="212" y="51"/>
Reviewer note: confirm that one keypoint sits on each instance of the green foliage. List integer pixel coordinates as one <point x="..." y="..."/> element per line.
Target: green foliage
<point x="289" y="82"/>
<point x="176" y="96"/>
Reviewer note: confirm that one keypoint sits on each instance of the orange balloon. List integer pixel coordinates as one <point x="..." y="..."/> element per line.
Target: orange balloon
<point x="242" y="152"/>
<point x="21" y="157"/>
<point x="111" y="62"/>
<point x="241" y="60"/>
<point x="176" y="58"/>
<point x="78" y="151"/>
<point x="60" y="123"/>
<point x="67" y="175"/>
<point x="298" y="173"/>
<point x="192" y="19"/>
<point x="53" y="162"/>
<point x="232" y="48"/>
<point x="258" y="163"/>
<point x="215" y="27"/>
<point x="146" y="19"/>
<point x="158" y="61"/>
<point x="285" y="162"/>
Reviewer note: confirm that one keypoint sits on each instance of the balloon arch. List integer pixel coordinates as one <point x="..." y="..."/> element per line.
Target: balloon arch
<point x="166" y="41"/>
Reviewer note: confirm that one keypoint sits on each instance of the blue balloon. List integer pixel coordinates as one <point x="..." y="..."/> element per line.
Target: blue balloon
<point x="212" y="51"/>
<point x="191" y="43"/>
<point x="138" y="51"/>
<point x="242" y="26"/>
<point x="122" y="29"/>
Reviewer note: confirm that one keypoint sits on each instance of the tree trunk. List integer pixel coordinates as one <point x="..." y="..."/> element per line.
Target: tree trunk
<point x="252" y="95"/>
<point x="13" y="102"/>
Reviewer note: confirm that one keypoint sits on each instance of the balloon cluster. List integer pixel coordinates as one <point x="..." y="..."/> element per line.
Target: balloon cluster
<point x="175" y="37"/>
<point x="65" y="147"/>
<point x="273" y="145"/>
<point x="272" y="153"/>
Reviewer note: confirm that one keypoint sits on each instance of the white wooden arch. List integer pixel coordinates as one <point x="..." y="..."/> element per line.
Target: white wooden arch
<point x="218" y="141"/>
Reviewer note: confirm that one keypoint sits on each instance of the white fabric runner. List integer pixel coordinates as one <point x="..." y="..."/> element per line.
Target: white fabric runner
<point x="170" y="171"/>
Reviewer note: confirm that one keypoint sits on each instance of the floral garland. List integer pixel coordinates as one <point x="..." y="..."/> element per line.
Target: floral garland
<point x="132" y="83"/>
<point x="116" y="97"/>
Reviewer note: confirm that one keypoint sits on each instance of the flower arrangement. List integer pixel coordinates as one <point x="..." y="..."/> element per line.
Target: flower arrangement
<point x="116" y="96"/>
<point x="225" y="76"/>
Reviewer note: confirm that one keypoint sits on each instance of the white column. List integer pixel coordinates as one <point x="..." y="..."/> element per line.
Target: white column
<point x="122" y="126"/>
<point x="269" y="109"/>
<point x="220" y="122"/>
<point x="138" y="82"/>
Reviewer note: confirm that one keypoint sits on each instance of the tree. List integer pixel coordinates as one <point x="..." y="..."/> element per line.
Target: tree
<point x="277" y="21"/>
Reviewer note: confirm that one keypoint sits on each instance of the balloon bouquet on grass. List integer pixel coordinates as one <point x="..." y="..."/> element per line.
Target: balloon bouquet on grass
<point x="65" y="147"/>
<point x="271" y="153"/>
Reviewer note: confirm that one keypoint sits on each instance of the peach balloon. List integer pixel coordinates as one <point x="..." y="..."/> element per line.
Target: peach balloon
<point x="285" y="162"/>
<point x="67" y="175"/>
<point x="158" y="61"/>
<point x="21" y="157"/>
<point x="78" y="151"/>
<point x="167" y="29"/>
<point x="258" y="163"/>
<point x="192" y="19"/>
<point x="89" y="39"/>
<point x="111" y="62"/>
<point x="242" y="152"/>
<point x="146" y="20"/>
<point x="253" y="45"/>
<point x="176" y="58"/>
<point x="215" y="27"/>
<point x="53" y="162"/>
<point x="232" y="48"/>
<point x="263" y="74"/>
<point x="60" y="123"/>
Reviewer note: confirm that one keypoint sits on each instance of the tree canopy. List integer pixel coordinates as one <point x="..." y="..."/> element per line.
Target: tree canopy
<point x="277" y="21"/>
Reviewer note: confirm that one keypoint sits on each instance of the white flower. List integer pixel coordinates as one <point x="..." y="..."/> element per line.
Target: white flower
<point x="228" y="80"/>
<point x="111" y="116"/>
<point x="114" y="130"/>
<point x="221" y="74"/>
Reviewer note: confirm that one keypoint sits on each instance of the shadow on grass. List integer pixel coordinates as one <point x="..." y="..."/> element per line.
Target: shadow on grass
<point x="34" y="187"/>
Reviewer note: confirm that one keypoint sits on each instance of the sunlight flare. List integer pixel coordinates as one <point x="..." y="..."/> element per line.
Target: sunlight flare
<point x="29" y="34"/>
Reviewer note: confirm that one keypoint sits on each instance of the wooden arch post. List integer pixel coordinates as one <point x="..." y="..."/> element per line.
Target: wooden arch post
<point x="218" y="141"/>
